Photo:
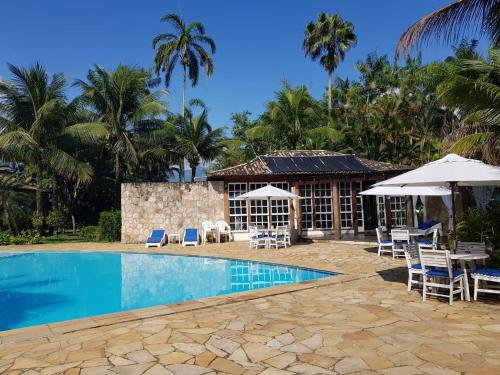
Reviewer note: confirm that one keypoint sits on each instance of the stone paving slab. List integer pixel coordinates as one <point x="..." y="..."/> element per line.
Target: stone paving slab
<point x="363" y="321"/>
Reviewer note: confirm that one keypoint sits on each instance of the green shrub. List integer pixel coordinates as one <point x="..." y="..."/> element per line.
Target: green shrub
<point x="26" y="237"/>
<point x="31" y="237"/>
<point x="37" y="220"/>
<point x="57" y="219"/>
<point x="4" y="238"/>
<point x="90" y="233"/>
<point x="110" y="225"/>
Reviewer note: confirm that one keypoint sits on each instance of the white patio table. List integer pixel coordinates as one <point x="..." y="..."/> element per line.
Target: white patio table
<point x="470" y="259"/>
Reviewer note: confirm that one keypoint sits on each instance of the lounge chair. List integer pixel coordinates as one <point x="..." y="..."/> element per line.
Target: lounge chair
<point x="156" y="238"/>
<point x="190" y="237"/>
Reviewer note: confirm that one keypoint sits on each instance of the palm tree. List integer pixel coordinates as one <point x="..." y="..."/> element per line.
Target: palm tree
<point x="117" y="103"/>
<point x="15" y="202"/>
<point x="34" y="127"/>
<point x="473" y="88"/>
<point x="329" y="38"/>
<point x="195" y="138"/>
<point x="291" y="112"/>
<point x="187" y="46"/>
<point x="452" y="21"/>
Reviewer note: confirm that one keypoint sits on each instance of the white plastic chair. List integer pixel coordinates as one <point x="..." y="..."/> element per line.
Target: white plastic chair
<point x="224" y="230"/>
<point x="430" y="244"/>
<point x="278" y="238"/>
<point x="384" y="246"/>
<point x="436" y="266"/>
<point x="400" y="238"/>
<point x="207" y="228"/>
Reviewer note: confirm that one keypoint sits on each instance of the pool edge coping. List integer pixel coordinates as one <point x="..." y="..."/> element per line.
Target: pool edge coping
<point x="47" y="330"/>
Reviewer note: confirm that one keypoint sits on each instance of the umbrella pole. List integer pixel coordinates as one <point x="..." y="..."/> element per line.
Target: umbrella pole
<point x="453" y="186"/>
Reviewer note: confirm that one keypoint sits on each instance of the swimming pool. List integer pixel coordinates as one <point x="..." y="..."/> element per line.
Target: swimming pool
<point x="46" y="287"/>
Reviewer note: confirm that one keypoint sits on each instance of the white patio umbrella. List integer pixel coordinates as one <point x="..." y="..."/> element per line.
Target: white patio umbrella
<point x="407" y="190"/>
<point x="270" y="193"/>
<point x="450" y="171"/>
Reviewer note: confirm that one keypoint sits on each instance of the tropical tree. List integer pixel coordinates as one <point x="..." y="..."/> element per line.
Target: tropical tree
<point x="119" y="103"/>
<point x="15" y="202"/>
<point x="329" y="38"/>
<point x="473" y="89"/>
<point x="452" y="21"/>
<point x="291" y="112"/>
<point x="196" y="140"/>
<point x="187" y="45"/>
<point x="34" y="126"/>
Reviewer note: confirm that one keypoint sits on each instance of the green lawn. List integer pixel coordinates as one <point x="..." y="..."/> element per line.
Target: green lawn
<point x="60" y="238"/>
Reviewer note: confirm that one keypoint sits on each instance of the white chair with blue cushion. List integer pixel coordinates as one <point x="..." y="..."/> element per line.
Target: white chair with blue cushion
<point x="257" y="239"/>
<point x="437" y="269"/>
<point x="430" y="244"/>
<point x="278" y="238"/>
<point x="485" y="276"/>
<point x="384" y="246"/>
<point x="157" y="238"/>
<point x="413" y="263"/>
<point x="400" y="238"/>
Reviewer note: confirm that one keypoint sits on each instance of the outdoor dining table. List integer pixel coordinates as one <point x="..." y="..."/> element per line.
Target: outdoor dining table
<point x="267" y="232"/>
<point x="470" y="259"/>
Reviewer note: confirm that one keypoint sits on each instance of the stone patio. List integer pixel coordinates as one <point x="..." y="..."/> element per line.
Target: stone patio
<point x="363" y="321"/>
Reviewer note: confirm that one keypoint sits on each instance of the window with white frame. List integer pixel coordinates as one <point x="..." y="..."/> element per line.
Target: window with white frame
<point x="323" y="206"/>
<point x="280" y="210"/>
<point x="259" y="214"/>
<point x="398" y="210"/>
<point x="381" y="210"/>
<point x="345" y="205"/>
<point x="359" y="205"/>
<point x="306" y="204"/>
<point x="238" y="218"/>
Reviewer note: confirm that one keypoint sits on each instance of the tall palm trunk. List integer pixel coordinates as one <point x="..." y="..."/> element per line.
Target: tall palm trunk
<point x="184" y="91"/>
<point x="117" y="180"/>
<point x="330" y="73"/>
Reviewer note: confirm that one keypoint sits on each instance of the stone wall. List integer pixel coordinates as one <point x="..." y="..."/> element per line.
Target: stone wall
<point x="171" y="206"/>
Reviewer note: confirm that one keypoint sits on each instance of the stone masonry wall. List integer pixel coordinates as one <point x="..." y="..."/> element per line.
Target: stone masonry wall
<point x="171" y="206"/>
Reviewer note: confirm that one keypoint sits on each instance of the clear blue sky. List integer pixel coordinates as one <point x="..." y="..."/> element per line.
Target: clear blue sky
<point x="258" y="41"/>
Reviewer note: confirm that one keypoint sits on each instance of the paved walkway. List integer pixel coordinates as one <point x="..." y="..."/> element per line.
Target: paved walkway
<point x="363" y="322"/>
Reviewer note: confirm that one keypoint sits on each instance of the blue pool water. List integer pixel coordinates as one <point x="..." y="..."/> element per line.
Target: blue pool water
<point x="43" y="287"/>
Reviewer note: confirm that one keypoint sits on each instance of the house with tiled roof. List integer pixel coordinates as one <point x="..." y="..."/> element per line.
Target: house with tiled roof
<point x="328" y="184"/>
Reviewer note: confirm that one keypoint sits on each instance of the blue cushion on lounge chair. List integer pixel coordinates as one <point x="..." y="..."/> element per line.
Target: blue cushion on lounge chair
<point x="416" y="266"/>
<point x="386" y="241"/>
<point x="191" y="235"/>
<point x="156" y="236"/>
<point x="399" y="244"/>
<point x="441" y="272"/>
<point x="488" y="271"/>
